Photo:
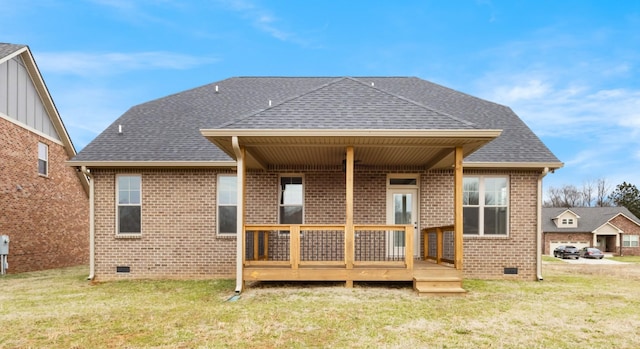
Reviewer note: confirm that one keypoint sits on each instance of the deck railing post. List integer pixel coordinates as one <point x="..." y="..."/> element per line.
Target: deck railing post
<point x="256" y="250"/>
<point x="439" y="244"/>
<point x="408" y="246"/>
<point x="294" y="246"/>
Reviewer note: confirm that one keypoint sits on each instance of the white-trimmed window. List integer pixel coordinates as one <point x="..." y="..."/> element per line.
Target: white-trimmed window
<point x="630" y="241"/>
<point x="43" y="159"/>
<point x="129" y="204"/>
<point x="227" y="205"/>
<point x="486" y="205"/>
<point x="291" y="204"/>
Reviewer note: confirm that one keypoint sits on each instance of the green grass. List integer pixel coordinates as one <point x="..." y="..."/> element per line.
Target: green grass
<point x="627" y="259"/>
<point x="60" y="309"/>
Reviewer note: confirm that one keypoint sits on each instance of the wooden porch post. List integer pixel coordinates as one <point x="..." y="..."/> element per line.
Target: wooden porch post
<point x="348" y="232"/>
<point x="240" y="198"/>
<point x="457" y="210"/>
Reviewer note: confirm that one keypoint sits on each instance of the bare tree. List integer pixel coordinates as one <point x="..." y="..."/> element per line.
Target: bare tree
<point x="566" y="196"/>
<point x="587" y="193"/>
<point x="603" y="192"/>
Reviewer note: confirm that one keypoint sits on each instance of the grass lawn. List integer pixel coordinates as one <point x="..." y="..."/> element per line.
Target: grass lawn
<point x="574" y="304"/>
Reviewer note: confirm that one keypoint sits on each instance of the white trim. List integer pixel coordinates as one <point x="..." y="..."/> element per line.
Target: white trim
<point x="170" y="164"/>
<point x="45" y="148"/>
<point x="415" y="176"/>
<point x="508" y="165"/>
<point x="482" y="133"/>
<point x="30" y="129"/>
<point x="300" y="175"/>
<point x="117" y="204"/>
<point x="481" y="205"/>
<point x="218" y="176"/>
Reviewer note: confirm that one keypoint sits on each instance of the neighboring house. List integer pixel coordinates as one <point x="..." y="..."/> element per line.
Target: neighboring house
<point x="43" y="203"/>
<point x="611" y="229"/>
<point x="322" y="178"/>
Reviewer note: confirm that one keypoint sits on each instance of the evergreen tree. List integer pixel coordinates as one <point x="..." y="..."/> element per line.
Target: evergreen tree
<point x="627" y="195"/>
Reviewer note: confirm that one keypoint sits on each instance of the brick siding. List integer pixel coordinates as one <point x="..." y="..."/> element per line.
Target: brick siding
<point x="179" y="225"/>
<point x="46" y="218"/>
<point x="628" y="228"/>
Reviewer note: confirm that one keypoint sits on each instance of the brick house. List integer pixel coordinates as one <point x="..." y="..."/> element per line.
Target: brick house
<point x="43" y="203"/>
<point x="322" y="178"/>
<point x="611" y="229"/>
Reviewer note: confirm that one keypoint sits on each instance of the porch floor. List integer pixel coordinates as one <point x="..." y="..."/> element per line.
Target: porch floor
<point x="428" y="278"/>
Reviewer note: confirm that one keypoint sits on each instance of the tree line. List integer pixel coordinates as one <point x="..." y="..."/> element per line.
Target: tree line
<point x="596" y="193"/>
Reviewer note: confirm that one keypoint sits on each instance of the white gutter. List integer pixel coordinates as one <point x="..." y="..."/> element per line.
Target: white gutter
<point x="240" y="173"/>
<point x="539" y="226"/>
<point x="92" y="235"/>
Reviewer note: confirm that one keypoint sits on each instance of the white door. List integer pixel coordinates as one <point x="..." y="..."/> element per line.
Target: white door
<point x="402" y="208"/>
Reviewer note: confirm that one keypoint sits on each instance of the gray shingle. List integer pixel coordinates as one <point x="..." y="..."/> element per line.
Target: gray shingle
<point x="590" y="219"/>
<point x="167" y="129"/>
<point x="7" y="49"/>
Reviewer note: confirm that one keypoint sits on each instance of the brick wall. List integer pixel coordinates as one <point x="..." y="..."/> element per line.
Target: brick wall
<point x="629" y="228"/>
<point x="178" y="237"/>
<point x="46" y="218"/>
<point x="179" y="225"/>
<point x="487" y="257"/>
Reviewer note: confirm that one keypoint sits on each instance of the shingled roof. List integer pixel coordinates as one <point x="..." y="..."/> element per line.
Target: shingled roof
<point x="167" y="129"/>
<point x="7" y="49"/>
<point x="591" y="218"/>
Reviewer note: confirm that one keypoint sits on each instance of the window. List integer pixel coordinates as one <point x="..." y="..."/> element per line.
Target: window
<point x="291" y="200"/>
<point x="129" y="198"/>
<point x="227" y="204"/>
<point x="630" y="241"/>
<point x="43" y="159"/>
<point x="567" y="221"/>
<point x="485" y="205"/>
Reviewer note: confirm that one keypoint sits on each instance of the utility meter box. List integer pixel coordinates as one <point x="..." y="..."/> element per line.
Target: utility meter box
<point x="4" y="244"/>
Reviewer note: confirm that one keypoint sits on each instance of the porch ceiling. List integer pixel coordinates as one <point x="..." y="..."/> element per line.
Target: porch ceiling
<point x="430" y="149"/>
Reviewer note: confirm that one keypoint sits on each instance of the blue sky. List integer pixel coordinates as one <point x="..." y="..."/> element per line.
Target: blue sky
<point x="569" y="69"/>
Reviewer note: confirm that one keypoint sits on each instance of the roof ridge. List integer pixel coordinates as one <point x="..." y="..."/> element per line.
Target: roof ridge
<point x="466" y="122"/>
<point x="253" y="113"/>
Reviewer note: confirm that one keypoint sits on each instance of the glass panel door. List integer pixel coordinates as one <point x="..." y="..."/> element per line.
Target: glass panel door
<point x="402" y="209"/>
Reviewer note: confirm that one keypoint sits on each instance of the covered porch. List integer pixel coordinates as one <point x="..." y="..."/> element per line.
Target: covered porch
<point x="349" y="251"/>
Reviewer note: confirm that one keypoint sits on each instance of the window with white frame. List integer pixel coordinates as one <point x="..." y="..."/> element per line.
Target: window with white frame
<point x="485" y="205"/>
<point x="129" y="202"/>
<point x="630" y="241"/>
<point x="291" y="203"/>
<point x="227" y="204"/>
<point x="43" y="159"/>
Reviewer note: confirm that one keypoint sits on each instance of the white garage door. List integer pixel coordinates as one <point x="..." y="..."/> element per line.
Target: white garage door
<point x="577" y="244"/>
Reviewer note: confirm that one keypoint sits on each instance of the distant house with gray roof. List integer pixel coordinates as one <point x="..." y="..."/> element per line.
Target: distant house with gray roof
<point x="317" y="178"/>
<point x="611" y="229"/>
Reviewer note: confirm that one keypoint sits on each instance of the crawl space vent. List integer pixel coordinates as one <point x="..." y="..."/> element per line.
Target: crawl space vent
<point x="122" y="269"/>
<point x="511" y="271"/>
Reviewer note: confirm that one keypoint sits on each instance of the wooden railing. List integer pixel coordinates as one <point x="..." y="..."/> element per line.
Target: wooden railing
<point x="309" y="245"/>
<point x="439" y="244"/>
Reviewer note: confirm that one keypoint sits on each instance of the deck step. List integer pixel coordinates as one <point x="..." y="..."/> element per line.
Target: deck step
<point x="438" y="286"/>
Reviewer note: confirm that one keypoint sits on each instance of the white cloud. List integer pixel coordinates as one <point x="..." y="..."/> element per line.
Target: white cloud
<point x="265" y="21"/>
<point x="92" y="64"/>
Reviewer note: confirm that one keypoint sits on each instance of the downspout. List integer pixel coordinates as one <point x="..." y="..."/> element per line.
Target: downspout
<point x="539" y="224"/>
<point x="240" y="174"/>
<point x="92" y="230"/>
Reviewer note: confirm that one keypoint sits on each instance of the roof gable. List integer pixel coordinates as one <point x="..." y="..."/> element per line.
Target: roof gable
<point x="347" y="103"/>
<point x="41" y="113"/>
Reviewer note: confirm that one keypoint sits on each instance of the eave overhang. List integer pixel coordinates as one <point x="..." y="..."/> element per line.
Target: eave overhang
<point x="152" y="164"/>
<point x="326" y="147"/>
<point x="552" y="166"/>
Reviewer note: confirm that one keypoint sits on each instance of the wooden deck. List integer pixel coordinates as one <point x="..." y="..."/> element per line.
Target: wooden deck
<point x="335" y="253"/>
<point x="429" y="279"/>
